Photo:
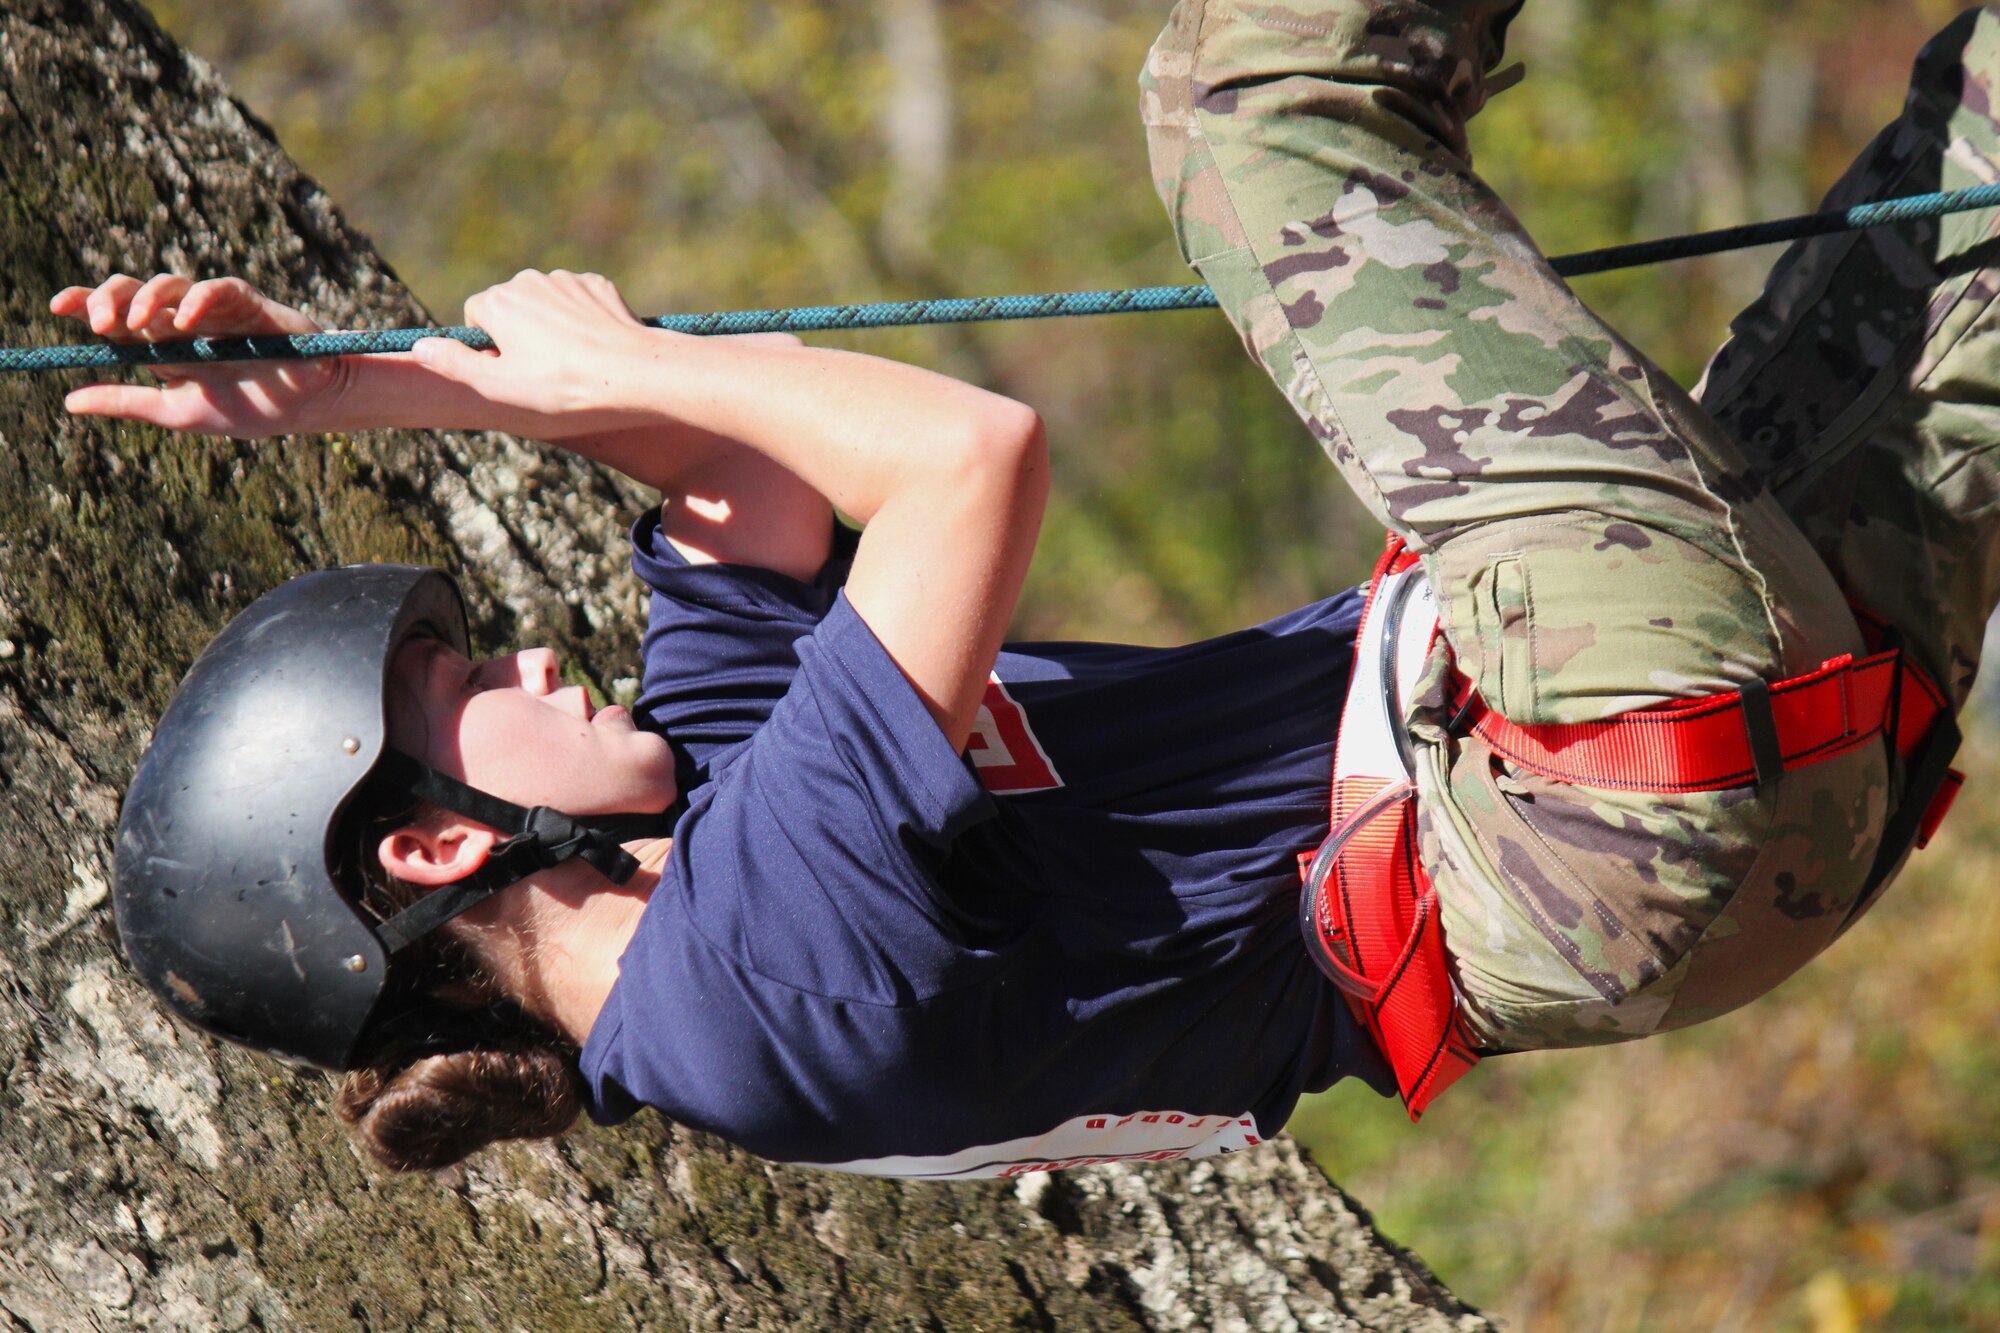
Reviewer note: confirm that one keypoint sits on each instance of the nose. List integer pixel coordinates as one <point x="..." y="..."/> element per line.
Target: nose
<point x="540" y="673"/>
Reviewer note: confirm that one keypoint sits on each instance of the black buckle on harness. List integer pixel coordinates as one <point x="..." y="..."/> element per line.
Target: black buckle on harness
<point x="1767" y="753"/>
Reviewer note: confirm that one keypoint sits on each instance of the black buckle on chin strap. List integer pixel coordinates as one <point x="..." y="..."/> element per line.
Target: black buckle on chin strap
<point x="541" y="839"/>
<point x="551" y="837"/>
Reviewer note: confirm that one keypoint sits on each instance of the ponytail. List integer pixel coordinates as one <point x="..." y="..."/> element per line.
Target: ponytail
<point x="438" y="1109"/>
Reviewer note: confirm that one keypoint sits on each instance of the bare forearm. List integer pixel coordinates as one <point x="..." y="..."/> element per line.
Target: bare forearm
<point x="855" y="428"/>
<point x="391" y="391"/>
<point x="395" y="391"/>
<point x="949" y="479"/>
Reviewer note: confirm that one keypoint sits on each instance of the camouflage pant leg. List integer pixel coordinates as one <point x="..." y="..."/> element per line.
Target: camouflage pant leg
<point x="1865" y="384"/>
<point x="1589" y="530"/>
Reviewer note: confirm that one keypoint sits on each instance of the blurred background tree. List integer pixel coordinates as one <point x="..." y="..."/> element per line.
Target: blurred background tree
<point x="1827" y="1160"/>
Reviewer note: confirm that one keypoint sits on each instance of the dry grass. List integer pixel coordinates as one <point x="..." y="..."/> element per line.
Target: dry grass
<point x="1828" y="1159"/>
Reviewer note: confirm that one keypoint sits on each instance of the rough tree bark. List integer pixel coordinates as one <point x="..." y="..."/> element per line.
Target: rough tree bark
<point x="151" y="1179"/>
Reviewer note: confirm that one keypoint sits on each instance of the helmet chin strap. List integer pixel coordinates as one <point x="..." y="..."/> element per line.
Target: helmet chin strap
<point x="538" y="839"/>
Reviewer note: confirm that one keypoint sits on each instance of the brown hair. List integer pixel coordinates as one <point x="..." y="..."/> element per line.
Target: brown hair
<point x="481" y="1071"/>
<point x="436" y="1110"/>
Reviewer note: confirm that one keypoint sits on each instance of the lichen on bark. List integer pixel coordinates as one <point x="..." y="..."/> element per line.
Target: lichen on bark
<point x="150" y="1178"/>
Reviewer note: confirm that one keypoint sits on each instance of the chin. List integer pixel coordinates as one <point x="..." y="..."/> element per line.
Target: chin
<point x="663" y="786"/>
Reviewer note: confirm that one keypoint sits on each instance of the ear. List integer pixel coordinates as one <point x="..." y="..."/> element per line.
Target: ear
<point x="437" y="854"/>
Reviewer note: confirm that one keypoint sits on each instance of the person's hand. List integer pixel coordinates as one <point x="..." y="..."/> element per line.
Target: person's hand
<point x="245" y="399"/>
<point x="560" y="340"/>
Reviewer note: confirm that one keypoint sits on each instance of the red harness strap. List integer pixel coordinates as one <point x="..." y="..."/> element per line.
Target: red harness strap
<point x="1369" y="913"/>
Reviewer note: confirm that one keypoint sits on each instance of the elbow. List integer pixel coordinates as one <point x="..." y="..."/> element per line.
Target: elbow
<point x="989" y="460"/>
<point x="1019" y="437"/>
<point x="1008" y="449"/>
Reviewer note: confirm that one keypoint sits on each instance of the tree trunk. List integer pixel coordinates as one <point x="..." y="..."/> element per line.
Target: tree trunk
<point x="151" y="1178"/>
<point x="916" y="126"/>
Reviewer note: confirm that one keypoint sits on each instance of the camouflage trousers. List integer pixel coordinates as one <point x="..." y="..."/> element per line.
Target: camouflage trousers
<point x="1599" y="538"/>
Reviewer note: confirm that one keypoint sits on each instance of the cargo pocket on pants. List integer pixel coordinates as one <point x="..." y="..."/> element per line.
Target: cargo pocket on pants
<point x="1503" y="621"/>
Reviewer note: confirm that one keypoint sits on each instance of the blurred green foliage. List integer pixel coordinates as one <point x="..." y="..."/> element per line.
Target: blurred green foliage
<point x="722" y="156"/>
<point x="1827" y="1160"/>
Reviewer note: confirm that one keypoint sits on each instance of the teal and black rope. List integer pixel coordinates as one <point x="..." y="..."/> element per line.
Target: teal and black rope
<point x="969" y="310"/>
<point x="1858" y="218"/>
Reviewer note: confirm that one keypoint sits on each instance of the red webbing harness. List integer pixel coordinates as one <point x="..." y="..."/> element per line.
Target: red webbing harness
<point x="1369" y="913"/>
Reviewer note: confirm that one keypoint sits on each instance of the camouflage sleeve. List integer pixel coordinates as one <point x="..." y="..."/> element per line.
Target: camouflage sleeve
<point x="1597" y="542"/>
<point x="1864" y="385"/>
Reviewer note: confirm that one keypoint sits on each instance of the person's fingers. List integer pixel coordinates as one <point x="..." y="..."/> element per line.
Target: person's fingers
<point x="218" y="298"/>
<point x="528" y="280"/>
<point x="69" y="301"/>
<point x="526" y="295"/>
<point x="606" y="294"/>
<point x="193" y="406"/>
<point x="185" y="405"/>
<point x="198" y="304"/>
<point x="477" y="303"/>
<point x="453" y="359"/>
<point x="132" y="402"/>
<point x="153" y="299"/>
<point x="106" y="305"/>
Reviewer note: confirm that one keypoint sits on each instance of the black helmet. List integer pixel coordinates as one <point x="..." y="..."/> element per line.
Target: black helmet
<point x="226" y="894"/>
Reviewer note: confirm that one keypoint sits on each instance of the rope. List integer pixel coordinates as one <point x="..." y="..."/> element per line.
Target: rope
<point x="969" y="310"/>
<point x="1911" y="208"/>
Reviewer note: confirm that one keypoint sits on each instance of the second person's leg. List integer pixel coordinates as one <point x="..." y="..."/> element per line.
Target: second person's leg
<point x="1864" y="386"/>
<point x="1595" y="541"/>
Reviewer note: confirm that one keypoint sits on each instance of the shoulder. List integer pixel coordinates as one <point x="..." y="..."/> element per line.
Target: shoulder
<point x="671" y="570"/>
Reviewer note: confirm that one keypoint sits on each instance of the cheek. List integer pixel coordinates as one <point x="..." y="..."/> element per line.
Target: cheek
<point x="531" y="754"/>
<point x="515" y="744"/>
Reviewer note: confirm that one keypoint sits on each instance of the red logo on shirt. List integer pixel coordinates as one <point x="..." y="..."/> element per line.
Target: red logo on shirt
<point x="1004" y="749"/>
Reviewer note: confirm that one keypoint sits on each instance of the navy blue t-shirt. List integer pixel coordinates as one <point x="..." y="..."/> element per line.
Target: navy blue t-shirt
<point x="1077" y="942"/>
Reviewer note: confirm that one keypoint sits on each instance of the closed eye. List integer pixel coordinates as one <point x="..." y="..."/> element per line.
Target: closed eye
<point x="456" y="675"/>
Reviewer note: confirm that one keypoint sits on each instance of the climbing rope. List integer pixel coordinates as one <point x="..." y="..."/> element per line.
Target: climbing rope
<point x="968" y="310"/>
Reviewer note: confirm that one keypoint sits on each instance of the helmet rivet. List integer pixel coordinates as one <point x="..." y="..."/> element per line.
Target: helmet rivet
<point x="357" y="964"/>
<point x="353" y="746"/>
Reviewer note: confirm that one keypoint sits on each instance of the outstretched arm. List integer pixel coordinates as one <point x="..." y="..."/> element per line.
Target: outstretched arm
<point x="751" y="441"/>
<point x="723" y="502"/>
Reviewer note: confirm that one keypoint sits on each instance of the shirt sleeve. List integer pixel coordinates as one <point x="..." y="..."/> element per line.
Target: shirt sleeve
<point x="719" y="649"/>
<point x="800" y="923"/>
